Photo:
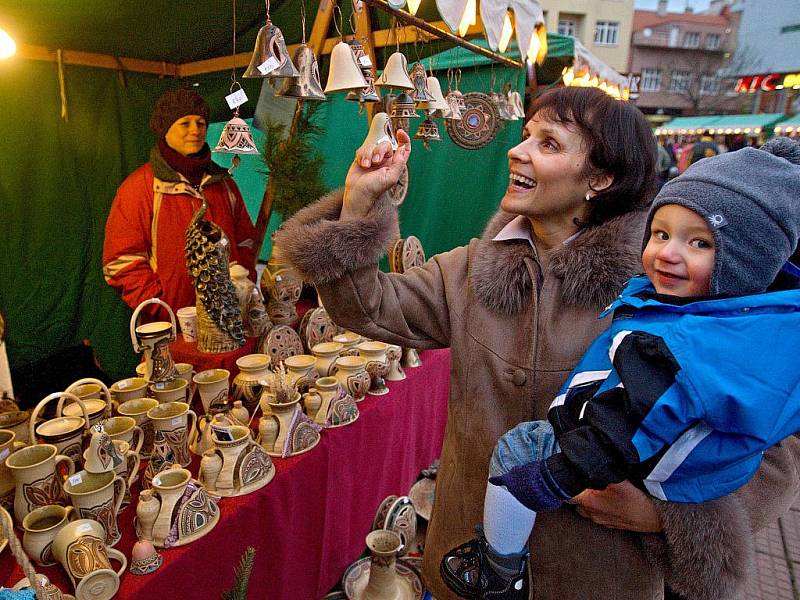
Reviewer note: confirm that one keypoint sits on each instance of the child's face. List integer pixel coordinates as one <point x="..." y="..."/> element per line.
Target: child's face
<point x="679" y="257"/>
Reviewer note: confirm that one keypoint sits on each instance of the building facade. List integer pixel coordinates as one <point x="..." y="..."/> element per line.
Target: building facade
<point x="678" y="57"/>
<point x="603" y="26"/>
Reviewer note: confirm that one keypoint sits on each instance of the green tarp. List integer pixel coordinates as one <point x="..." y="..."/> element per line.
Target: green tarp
<point x="720" y="123"/>
<point x="788" y="125"/>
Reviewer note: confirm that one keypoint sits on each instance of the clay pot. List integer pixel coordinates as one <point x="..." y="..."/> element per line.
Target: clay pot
<point x="377" y="365"/>
<point x="247" y="385"/>
<point x="351" y="372"/>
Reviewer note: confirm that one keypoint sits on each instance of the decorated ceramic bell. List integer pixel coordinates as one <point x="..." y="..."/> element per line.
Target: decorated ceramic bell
<point x="367" y="94"/>
<point x="395" y="73"/>
<point x="236" y="138"/>
<point x="381" y="131"/>
<point x="418" y="77"/>
<point x="403" y="108"/>
<point x="307" y="85"/>
<point x="428" y="132"/>
<point x="345" y="74"/>
<point x="270" y="56"/>
<point x="144" y="558"/>
<point x="454" y="110"/>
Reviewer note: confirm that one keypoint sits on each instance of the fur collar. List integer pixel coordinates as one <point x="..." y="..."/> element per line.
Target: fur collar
<point x="593" y="268"/>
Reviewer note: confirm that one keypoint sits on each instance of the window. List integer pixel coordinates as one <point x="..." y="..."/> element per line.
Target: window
<point x="651" y="80"/>
<point x="691" y="39"/>
<point x="713" y="41"/>
<point x="709" y="85"/>
<point x="567" y="27"/>
<point x="680" y="82"/>
<point x="674" y="31"/>
<point x="606" y="33"/>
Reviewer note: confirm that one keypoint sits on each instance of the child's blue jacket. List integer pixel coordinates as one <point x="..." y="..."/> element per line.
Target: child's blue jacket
<point x="685" y="398"/>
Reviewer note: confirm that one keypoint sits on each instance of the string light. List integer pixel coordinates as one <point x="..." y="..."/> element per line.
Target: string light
<point x="7" y="46"/>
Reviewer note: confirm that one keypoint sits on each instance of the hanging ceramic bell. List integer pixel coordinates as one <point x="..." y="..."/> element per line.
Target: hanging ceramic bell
<point x="403" y="108"/>
<point x="395" y="73"/>
<point x="380" y="131"/>
<point x="499" y="101"/>
<point x="438" y="103"/>
<point x="367" y="94"/>
<point x="345" y="74"/>
<point x="454" y="111"/>
<point x="270" y="56"/>
<point x="428" y="132"/>
<point x="515" y="99"/>
<point x="236" y="138"/>
<point x="307" y="86"/>
<point x="418" y="77"/>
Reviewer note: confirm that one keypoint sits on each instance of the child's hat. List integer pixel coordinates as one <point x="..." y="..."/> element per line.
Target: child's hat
<point x="751" y="201"/>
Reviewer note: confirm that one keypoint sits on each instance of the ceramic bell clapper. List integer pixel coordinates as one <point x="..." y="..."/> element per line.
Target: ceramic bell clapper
<point x="420" y="94"/>
<point x="270" y="56"/>
<point x="153" y="339"/>
<point x="395" y="73"/>
<point x="345" y="74"/>
<point x="102" y="455"/>
<point x="380" y="131"/>
<point x="307" y="86"/>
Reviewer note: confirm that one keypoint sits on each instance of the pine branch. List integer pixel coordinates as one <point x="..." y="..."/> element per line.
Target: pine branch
<point x="243" y="572"/>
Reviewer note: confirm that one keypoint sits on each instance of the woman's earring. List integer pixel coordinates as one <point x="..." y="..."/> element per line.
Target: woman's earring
<point x="588" y="196"/>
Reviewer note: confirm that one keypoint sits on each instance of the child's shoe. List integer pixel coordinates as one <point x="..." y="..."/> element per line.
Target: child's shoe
<point x="475" y="571"/>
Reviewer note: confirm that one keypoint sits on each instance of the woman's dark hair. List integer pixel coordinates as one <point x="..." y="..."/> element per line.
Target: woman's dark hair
<point x="618" y="140"/>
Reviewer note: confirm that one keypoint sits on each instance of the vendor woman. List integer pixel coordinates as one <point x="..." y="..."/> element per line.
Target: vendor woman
<point x="143" y="254"/>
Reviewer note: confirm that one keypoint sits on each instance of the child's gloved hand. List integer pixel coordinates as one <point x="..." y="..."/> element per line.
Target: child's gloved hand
<point x="533" y="486"/>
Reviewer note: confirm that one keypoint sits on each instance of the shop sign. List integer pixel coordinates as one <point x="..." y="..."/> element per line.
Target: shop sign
<point x="767" y="83"/>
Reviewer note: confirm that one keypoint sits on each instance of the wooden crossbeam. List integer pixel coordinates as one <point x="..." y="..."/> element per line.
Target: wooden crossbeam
<point x="102" y="61"/>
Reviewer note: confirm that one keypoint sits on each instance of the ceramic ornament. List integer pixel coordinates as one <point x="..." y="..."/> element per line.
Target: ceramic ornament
<point x="419" y="78"/>
<point x="344" y="74"/>
<point x="395" y="73"/>
<point x="403" y="108"/>
<point x="307" y="86"/>
<point x="454" y="110"/>
<point x="270" y="55"/>
<point x="236" y="138"/>
<point x="428" y="131"/>
<point x="380" y="131"/>
<point x="153" y="339"/>
<point x="435" y="88"/>
<point x="367" y="94"/>
<point x="479" y="124"/>
<point x="145" y="559"/>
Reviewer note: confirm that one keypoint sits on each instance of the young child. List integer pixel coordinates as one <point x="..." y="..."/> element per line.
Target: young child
<point x="690" y="384"/>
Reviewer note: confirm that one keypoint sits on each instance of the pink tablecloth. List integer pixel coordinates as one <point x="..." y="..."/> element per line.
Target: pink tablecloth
<point x="309" y="523"/>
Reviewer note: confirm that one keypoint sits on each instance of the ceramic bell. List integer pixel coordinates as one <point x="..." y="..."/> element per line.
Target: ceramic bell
<point x="395" y="73"/>
<point x="345" y="74"/>
<point x="270" y="56"/>
<point x="102" y="455"/>
<point x="428" y="132"/>
<point x="144" y="558"/>
<point x="454" y="110"/>
<point x="307" y="85"/>
<point x="236" y="138"/>
<point x="438" y="103"/>
<point x="418" y="77"/>
<point x="367" y="94"/>
<point x="515" y="99"/>
<point x="380" y="131"/>
<point x="403" y="108"/>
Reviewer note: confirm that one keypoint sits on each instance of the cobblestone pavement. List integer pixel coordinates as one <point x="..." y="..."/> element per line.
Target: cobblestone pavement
<point x="777" y="572"/>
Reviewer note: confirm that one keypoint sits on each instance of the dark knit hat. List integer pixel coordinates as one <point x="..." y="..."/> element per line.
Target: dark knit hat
<point x="173" y="105"/>
<point x="751" y="201"/>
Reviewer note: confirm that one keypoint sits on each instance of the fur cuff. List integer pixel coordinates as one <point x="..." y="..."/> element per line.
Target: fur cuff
<point x="323" y="248"/>
<point x="705" y="551"/>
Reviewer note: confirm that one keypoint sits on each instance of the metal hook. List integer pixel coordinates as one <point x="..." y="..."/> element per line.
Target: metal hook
<point x="341" y="21"/>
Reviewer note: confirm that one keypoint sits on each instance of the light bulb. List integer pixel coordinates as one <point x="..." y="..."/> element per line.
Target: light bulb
<point x="505" y="36"/>
<point x="7" y="45"/>
<point x="413" y="5"/>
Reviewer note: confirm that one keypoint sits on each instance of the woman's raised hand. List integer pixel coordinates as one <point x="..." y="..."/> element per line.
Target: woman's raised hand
<point x="376" y="169"/>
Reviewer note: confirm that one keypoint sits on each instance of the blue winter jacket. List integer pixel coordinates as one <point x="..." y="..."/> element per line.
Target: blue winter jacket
<point x="682" y="397"/>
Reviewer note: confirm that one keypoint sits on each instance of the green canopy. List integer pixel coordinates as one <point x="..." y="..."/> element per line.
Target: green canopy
<point x="788" y="125"/>
<point x="751" y="123"/>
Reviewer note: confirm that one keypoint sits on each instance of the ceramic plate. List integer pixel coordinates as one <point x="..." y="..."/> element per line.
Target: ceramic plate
<point x="421" y="495"/>
<point x="356" y="577"/>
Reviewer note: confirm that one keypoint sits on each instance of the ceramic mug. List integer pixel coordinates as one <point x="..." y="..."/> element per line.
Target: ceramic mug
<point x="129" y="388"/>
<point x="171" y="391"/>
<point x="137" y="409"/>
<point x="172" y="420"/>
<point x="213" y="386"/>
<point x="41" y="526"/>
<point x="80" y="549"/>
<point x="124" y="428"/>
<point x="98" y="496"/>
<point x="128" y="469"/>
<point x="187" y="318"/>
<point x="8" y="444"/>
<point x="38" y="482"/>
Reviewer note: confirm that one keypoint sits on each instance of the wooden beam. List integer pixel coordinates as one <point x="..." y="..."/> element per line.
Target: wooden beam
<point x="322" y="23"/>
<point x="102" y="61"/>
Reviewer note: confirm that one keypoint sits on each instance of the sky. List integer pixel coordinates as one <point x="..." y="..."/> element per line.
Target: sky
<point x="673" y="6"/>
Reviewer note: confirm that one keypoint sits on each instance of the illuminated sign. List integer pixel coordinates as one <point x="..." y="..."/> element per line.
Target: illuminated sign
<point x="767" y="83"/>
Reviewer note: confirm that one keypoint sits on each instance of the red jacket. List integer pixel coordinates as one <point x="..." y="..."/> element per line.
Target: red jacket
<point x="143" y="255"/>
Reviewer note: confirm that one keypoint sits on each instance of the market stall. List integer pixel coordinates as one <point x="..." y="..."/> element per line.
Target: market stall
<point x="750" y="124"/>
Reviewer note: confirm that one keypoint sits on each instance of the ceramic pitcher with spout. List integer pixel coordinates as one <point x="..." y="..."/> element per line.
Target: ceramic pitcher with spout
<point x="153" y="339"/>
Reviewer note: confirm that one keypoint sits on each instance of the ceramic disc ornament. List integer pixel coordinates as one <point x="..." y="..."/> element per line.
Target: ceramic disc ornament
<point x="282" y="342"/>
<point x="405" y="254"/>
<point x="479" y="122"/>
<point x="399" y="190"/>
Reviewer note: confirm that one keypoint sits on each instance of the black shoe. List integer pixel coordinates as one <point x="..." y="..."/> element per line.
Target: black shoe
<point x="468" y="572"/>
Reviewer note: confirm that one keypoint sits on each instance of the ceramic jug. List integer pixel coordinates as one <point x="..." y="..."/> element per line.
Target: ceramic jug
<point x="124" y="428"/>
<point x="382" y="584"/>
<point x="98" y="496"/>
<point x="286" y="431"/>
<point x="128" y="469"/>
<point x="137" y="409"/>
<point x="175" y="390"/>
<point x="37" y="479"/>
<point x="96" y="397"/>
<point x="329" y="405"/>
<point x="66" y="433"/>
<point x="129" y="388"/>
<point x="41" y="526"/>
<point x="176" y="423"/>
<point x="153" y="339"/>
<point x="213" y="386"/>
<point x="350" y="341"/>
<point x="247" y="386"/>
<point x="351" y="372"/>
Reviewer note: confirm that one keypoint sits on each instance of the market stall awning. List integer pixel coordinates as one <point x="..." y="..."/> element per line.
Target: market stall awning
<point x="789" y="125"/>
<point x="720" y="124"/>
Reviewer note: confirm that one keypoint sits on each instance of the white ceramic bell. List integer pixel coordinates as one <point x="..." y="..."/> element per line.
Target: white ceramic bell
<point x="515" y="99"/>
<point x="270" y="55"/>
<point x="345" y="74"/>
<point x="395" y="73"/>
<point x="435" y="90"/>
<point x="380" y="131"/>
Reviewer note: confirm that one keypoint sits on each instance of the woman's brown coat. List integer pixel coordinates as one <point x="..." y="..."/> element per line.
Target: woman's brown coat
<point x="517" y="325"/>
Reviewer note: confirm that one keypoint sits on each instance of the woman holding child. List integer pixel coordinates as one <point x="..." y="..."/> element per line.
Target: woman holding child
<point x="519" y="307"/>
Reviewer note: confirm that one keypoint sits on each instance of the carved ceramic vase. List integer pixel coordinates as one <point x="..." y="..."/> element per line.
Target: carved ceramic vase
<point x="393" y="355"/>
<point x="301" y="371"/>
<point x="351" y="372"/>
<point x="326" y="354"/>
<point x="383" y="547"/>
<point x="247" y="386"/>
<point x="377" y="365"/>
<point x="37" y="478"/>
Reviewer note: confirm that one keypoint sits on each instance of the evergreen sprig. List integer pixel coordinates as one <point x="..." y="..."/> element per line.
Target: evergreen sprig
<point x="243" y="572"/>
<point x="295" y="167"/>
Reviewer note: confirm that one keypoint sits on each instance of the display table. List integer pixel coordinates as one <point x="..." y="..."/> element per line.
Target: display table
<point x="310" y="522"/>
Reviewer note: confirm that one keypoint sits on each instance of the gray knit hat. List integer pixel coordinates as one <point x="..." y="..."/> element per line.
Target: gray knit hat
<point x="173" y="105"/>
<point x="751" y="201"/>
